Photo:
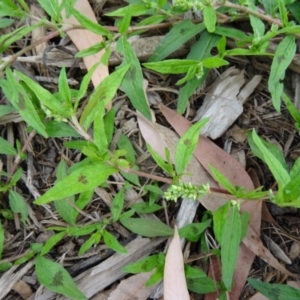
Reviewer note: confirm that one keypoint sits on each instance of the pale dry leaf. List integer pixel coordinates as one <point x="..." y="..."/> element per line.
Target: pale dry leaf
<point x="294" y="251"/>
<point x="175" y="287"/>
<point x="295" y="284"/>
<point x="84" y="39"/>
<point x="259" y="296"/>
<point x="133" y="288"/>
<point x="23" y="289"/>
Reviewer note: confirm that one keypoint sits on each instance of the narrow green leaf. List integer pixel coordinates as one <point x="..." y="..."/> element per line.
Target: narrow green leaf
<point x="6" y="109"/>
<point x="82" y="180"/>
<point x="270" y="6"/>
<point x="275" y="291"/>
<point x="144" y="265"/>
<point x="102" y="93"/>
<point x="1" y="239"/>
<point x="124" y="23"/>
<point x="84" y="230"/>
<point x="63" y="206"/>
<point x="117" y="205"/>
<point x="135" y="10"/>
<point x="83" y="200"/>
<point x="219" y="217"/>
<point x="257" y="24"/>
<point x="91" y="50"/>
<point x="18" y="205"/>
<point x="60" y="129"/>
<point x="295" y="168"/>
<point x="294" y="8"/>
<point x="6" y="147"/>
<point x="52" y="9"/>
<point x="202" y="285"/>
<point x="175" y="38"/>
<point x="133" y="83"/>
<point x="45" y="96"/>
<point x="230" y="242"/>
<point x="92" y="240"/>
<point x="283" y="12"/>
<point x="156" y="276"/>
<point x="292" y="109"/>
<point x="99" y="128"/>
<point x="52" y="241"/>
<point x="146" y="208"/>
<point x="87" y="23"/>
<point x="125" y="144"/>
<point x="231" y="33"/>
<point x="278" y="171"/>
<point x="55" y="278"/>
<point x="9" y="8"/>
<point x="245" y="218"/>
<point x="172" y="66"/>
<point x="210" y="18"/>
<point x="284" y="55"/>
<point x="5" y="22"/>
<point x="22" y="102"/>
<point x="111" y="242"/>
<point x="200" y="50"/>
<point x="187" y="145"/>
<point x="221" y="179"/>
<point x="147" y="227"/>
<point x="193" y="231"/>
<point x="214" y="62"/>
<point x="109" y="124"/>
<point x="63" y="86"/>
<point x="291" y="191"/>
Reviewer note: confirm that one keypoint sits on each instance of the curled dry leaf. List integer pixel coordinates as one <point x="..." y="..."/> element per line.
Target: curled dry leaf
<point x="175" y="287"/>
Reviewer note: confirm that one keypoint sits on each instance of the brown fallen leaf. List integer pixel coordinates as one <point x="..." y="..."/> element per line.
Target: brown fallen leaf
<point x="84" y="39"/>
<point x="175" y="287"/>
<point x="208" y="153"/>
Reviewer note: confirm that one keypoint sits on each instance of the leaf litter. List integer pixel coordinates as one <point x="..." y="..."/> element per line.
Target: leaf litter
<point x="207" y="153"/>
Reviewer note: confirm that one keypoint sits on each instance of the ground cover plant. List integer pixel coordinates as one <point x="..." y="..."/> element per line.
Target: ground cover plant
<point x="120" y="174"/>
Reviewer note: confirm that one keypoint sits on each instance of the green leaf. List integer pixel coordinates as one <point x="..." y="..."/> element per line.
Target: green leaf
<point x="1" y="239"/>
<point x="221" y="46"/>
<point x="82" y="180"/>
<point x="144" y="265"/>
<point x="87" y="23"/>
<point x="210" y="18"/>
<point x="99" y="128"/>
<point x="60" y="129"/>
<point x="214" y="62"/>
<point x="270" y="6"/>
<point x="291" y="191"/>
<point x="84" y="230"/>
<point x="147" y="227"/>
<point x="294" y="8"/>
<point x="135" y="10"/>
<point x="63" y="86"/>
<point x="193" y="231"/>
<point x="156" y="277"/>
<point x="230" y="242"/>
<point x="245" y="218"/>
<point x="22" y="102"/>
<point x="271" y="147"/>
<point x="124" y="23"/>
<point x="64" y="208"/>
<point x="52" y="9"/>
<point x="83" y="200"/>
<point x="5" y="22"/>
<point x="125" y="144"/>
<point x="145" y="208"/>
<point x="257" y="24"/>
<point x="275" y="291"/>
<point x="133" y="83"/>
<point x="160" y="161"/>
<point x="219" y="218"/>
<point x="91" y="50"/>
<point x="112" y="243"/>
<point x="117" y="205"/>
<point x="200" y="50"/>
<point x="284" y="55"/>
<point x="6" y="147"/>
<point x="9" y="8"/>
<point x="6" y="109"/>
<point x="231" y="33"/>
<point x="92" y="240"/>
<point x="292" y="109"/>
<point x="175" y="38"/>
<point x="45" y="97"/>
<point x="221" y="179"/>
<point x="52" y="241"/>
<point x="18" y="205"/>
<point x="278" y="171"/>
<point x="191" y="272"/>
<point x="202" y="285"/>
<point x="104" y="92"/>
<point x="109" y="124"/>
<point x="55" y="278"/>
<point x="283" y="12"/>
<point x="187" y="145"/>
<point x="295" y="168"/>
<point x="172" y="66"/>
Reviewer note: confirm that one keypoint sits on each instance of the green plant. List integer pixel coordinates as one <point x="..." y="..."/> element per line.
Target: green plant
<point x="60" y="115"/>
